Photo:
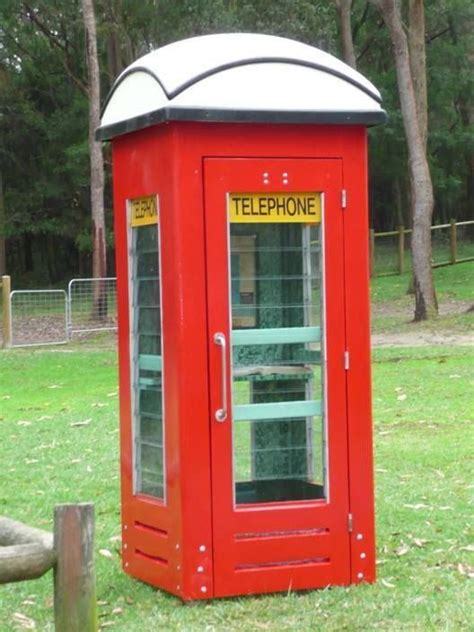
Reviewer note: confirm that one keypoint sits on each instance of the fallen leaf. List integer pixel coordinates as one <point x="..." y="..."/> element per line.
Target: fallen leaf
<point x="401" y="397"/>
<point x="26" y="622"/>
<point x="387" y="584"/>
<point x="23" y="423"/>
<point x="105" y="552"/>
<point x="469" y="547"/>
<point x="466" y="569"/>
<point x="129" y="600"/>
<point x="418" y="506"/>
<point x="75" y="460"/>
<point x="114" y="394"/>
<point x="86" y="422"/>
<point x="6" y="397"/>
<point x="454" y="376"/>
<point x="117" y="611"/>
<point x="106" y="624"/>
<point x="55" y="386"/>
<point x="30" y="461"/>
<point x="102" y="603"/>
<point x="43" y="417"/>
<point x="403" y="549"/>
<point x="115" y="538"/>
<point x="420" y="542"/>
<point x="28" y="602"/>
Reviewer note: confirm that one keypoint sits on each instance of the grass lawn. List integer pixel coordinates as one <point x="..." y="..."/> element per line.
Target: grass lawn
<point x="422" y="405"/>
<point x="393" y="308"/>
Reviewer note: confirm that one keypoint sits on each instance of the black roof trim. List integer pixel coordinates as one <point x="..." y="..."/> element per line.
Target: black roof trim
<point x="238" y="116"/>
<point x="236" y="64"/>
<point x="275" y="60"/>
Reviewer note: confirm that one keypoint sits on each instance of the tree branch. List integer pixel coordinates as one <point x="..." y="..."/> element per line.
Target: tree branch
<point x="55" y="42"/>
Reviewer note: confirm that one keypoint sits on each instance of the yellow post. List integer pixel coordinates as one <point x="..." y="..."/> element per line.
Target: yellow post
<point x="453" y="246"/>
<point x="401" y="249"/>
<point x="6" y="312"/>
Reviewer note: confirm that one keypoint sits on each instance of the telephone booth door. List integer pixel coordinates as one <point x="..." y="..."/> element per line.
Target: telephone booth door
<point x="279" y="449"/>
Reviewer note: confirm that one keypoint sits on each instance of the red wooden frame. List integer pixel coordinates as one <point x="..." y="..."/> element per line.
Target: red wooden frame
<point x="174" y="545"/>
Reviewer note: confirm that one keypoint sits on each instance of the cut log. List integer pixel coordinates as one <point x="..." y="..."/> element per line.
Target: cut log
<point x="25" y="561"/>
<point x="25" y="552"/>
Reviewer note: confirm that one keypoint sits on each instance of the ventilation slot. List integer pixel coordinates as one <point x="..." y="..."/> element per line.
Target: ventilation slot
<point x="152" y="530"/>
<point x="268" y="565"/>
<point x="151" y="558"/>
<point x="280" y="534"/>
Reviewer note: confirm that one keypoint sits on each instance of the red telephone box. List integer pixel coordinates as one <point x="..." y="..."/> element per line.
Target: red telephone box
<point x="240" y="195"/>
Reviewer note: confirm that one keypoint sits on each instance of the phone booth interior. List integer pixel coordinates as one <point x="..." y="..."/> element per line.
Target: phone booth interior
<point x="240" y="197"/>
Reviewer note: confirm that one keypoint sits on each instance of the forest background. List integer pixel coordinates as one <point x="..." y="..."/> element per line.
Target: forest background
<point x="45" y="218"/>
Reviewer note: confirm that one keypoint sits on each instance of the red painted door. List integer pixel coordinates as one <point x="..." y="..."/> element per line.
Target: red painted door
<point x="274" y="249"/>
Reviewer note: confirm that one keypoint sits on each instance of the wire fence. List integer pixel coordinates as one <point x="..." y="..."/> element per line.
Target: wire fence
<point x="50" y="317"/>
<point x="92" y="305"/>
<point x="38" y="317"/>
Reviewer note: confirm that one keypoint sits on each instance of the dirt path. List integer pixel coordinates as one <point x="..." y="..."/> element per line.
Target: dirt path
<point x="415" y="339"/>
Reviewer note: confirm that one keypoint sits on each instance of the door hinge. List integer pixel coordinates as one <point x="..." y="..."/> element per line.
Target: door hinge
<point x="346" y="360"/>
<point x="349" y="523"/>
<point x="343" y="198"/>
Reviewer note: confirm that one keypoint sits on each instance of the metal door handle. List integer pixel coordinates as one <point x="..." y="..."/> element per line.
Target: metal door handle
<point x="221" y="413"/>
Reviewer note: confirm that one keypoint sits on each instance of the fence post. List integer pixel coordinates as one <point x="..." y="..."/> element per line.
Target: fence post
<point x="75" y="607"/>
<point x="401" y="249"/>
<point x="372" y="252"/>
<point x="453" y="246"/>
<point x="6" y="312"/>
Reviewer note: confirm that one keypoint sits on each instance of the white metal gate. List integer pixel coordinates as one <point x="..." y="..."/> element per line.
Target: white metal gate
<point x="92" y="305"/>
<point x="38" y="317"/>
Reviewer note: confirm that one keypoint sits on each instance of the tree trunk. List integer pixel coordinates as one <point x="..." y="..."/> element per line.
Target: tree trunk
<point x="422" y="188"/>
<point x="3" y="250"/>
<point x="99" y="257"/>
<point x="416" y="43"/>
<point x="344" y="11"/>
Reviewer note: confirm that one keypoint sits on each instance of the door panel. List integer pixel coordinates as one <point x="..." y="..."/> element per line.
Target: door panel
<point x="278" y="396"/>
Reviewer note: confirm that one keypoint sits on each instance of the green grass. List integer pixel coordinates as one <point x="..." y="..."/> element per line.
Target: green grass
<point x="422" y="406"/>
<point x="393" y="308"/>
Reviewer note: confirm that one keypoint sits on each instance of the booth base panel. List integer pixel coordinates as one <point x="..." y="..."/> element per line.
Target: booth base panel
<point x="277" y="490"/>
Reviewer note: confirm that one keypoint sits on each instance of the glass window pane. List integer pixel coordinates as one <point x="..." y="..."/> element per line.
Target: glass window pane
<point x="147" y="395"/>
<point x="278" y="408"/>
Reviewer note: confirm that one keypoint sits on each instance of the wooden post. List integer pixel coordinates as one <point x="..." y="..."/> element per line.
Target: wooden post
<point x="6" y="312"/>
<point x="401" y="249"/>
<point x="372" y="252"/>
<point x="453" y="246"/>
<point x="75" y="607"/>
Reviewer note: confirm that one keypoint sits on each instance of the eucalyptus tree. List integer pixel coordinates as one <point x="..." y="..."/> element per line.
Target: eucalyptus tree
<point x="421" y="184"/>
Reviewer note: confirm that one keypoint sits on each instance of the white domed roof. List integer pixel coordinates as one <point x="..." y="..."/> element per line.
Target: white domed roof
<point x="239" y="77"/>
